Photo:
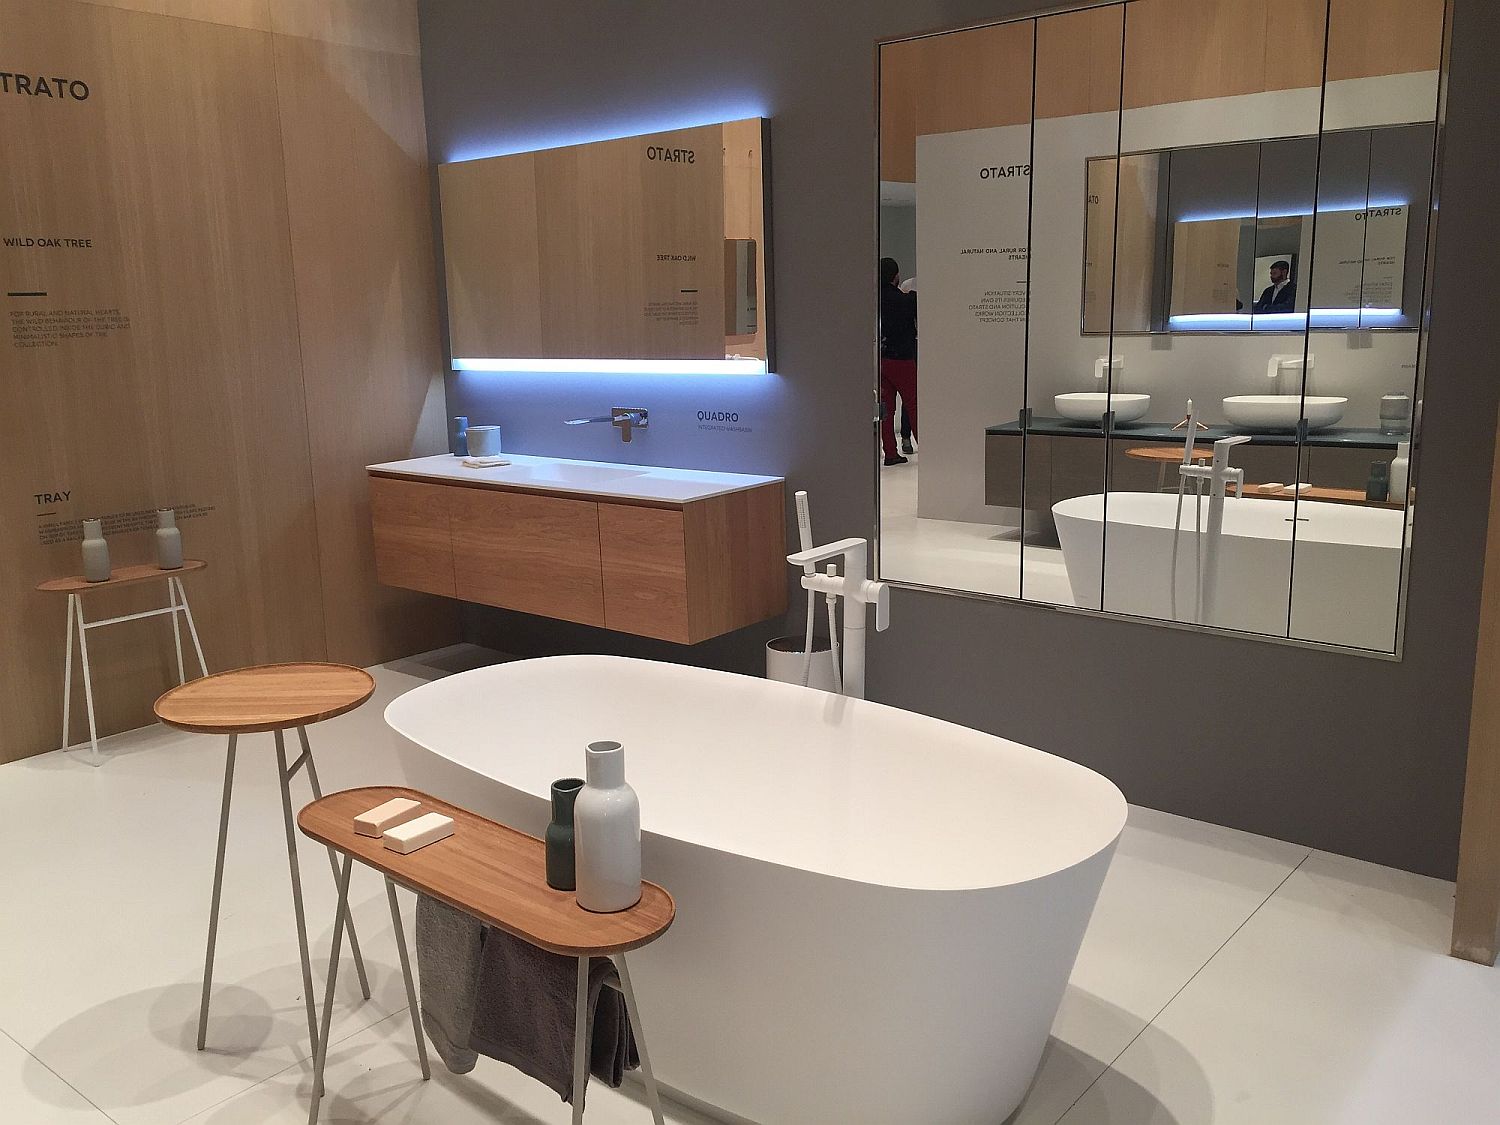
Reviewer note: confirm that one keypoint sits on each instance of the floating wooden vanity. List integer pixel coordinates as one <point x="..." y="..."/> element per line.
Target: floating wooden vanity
<point x="667" y="553"/>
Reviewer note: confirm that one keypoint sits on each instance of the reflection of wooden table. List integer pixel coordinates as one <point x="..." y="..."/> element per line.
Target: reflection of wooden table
<point x="498" y="875"/>
<point x="75" y="586"/>
<point x="1165" y="455"/>
<point x="1327" y="495"/>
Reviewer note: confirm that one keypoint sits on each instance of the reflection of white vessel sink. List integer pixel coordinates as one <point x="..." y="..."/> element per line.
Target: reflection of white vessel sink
<point x="1281" y="412"/>
<point x="1089" y="406"/>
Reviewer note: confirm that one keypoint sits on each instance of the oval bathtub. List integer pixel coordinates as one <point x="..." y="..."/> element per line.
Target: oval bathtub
<point x="1348" y="564"/>
<point x="877" y="911"/>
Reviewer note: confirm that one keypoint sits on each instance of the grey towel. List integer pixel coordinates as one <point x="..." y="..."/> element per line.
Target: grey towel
<point x="524" y="1014"/>
<point x="449" y="944"/>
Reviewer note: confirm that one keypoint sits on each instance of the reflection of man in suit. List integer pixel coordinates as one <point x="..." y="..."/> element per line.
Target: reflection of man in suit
<point x="1281" y="294"/>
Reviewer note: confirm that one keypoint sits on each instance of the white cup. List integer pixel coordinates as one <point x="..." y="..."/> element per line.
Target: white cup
<point x="484" y="441"/>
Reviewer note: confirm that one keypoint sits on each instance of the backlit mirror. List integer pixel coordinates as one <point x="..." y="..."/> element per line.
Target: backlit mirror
<point x="1170" y="258"/>
<point x="646" y="252"/>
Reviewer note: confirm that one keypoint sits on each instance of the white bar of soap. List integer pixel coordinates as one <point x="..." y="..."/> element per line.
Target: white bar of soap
<point x="396" y="811"/>
<point x="428" y="828"/>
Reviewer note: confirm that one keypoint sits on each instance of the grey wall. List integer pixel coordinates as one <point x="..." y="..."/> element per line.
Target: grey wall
<point x="1345" y="753"/>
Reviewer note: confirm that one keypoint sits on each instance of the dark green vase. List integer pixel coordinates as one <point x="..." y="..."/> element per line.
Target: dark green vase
<point x="560" y="870"/>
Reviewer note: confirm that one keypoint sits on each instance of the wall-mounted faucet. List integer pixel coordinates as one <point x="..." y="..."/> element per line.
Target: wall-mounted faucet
<point x="1113" y="364"/>
<point x="1279" y="365"/>
<point x="625" y="419"/>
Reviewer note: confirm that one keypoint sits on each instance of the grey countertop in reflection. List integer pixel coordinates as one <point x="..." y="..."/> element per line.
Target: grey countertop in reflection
<point x="1153" y="431"/>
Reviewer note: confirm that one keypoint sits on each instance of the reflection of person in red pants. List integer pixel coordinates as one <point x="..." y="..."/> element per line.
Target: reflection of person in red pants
<point x="898" y="357"/>
<point x="897" y="377"/>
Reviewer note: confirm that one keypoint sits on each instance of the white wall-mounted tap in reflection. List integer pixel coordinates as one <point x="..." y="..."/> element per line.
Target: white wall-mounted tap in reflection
<point x="1115" y="365"/>
<point x="1280" y="366"/>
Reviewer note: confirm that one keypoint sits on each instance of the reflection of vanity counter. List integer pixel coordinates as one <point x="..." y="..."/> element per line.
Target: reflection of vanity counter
<point x="1148" y="431"/>
<point x="1066" y="459"/>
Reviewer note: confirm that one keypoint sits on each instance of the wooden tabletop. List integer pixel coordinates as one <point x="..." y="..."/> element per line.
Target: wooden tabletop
<point x="490" y="872"/>
<point x="121" y="576"/>
<point x="1172" y="452"/>
<point x="1327" y="495"/>
<point x="265" y="697"/>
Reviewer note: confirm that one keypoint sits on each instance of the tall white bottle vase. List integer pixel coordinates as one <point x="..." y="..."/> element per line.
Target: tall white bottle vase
<point x="607" y="833"/>
<point x="168" y="540"/>
<point x="1400" y="471"/>
<point x="95" y="552"/>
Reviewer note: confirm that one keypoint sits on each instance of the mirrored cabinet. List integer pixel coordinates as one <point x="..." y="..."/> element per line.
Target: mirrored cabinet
<point x="1168" y="260"/>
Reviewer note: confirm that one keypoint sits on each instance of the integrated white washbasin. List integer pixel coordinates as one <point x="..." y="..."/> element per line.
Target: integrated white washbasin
<point x="565" y="472"/>
<point x="1090" y="406"/>
<point x="1282" y="412"/>
<point x="589" y="478"/>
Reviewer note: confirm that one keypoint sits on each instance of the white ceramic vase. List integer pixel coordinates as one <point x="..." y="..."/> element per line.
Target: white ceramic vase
<point x="607" y="833"/>
<point x="1400" y="471"/>
<point x="168" y="540"/>
<point x="95" y="552"/>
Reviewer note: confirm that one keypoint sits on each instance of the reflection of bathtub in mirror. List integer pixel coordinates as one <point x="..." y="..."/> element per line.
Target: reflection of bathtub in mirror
<point x="1348" y="564"/>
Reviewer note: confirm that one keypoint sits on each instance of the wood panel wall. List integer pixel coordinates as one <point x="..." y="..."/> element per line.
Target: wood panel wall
<point x="1189" y="50"/>
<point x="355" y="146"/>
<point x="1371" y="37"/>
<point x="1176" y="51"/>
<point x="251" y="174"/>
<point x="745" y="217"/>
<point x="1078" y="56"/>
<point x="973" y="79"/>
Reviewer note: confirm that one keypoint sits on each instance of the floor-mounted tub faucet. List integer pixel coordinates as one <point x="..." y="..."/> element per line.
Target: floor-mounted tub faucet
<point x="858" y="591"/>
<point x="1218" y="474"/>
<point x="625" y="419"/>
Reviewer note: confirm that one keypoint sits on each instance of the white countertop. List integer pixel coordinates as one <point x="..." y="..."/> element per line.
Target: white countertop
<point x="593" y="478"/>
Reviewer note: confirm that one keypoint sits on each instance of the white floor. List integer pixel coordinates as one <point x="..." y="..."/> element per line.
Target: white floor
<point x="1225" y="977"/>
<point x="985" y="558"/>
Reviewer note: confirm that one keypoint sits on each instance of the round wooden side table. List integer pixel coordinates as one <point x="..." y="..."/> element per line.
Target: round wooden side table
<point x="275" y="698"/>
<point x="1165" y="455"/>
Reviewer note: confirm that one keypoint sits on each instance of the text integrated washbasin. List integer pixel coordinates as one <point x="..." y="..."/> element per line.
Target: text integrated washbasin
<point x="1090" y="406"/>
<point x="1282" y="412"/>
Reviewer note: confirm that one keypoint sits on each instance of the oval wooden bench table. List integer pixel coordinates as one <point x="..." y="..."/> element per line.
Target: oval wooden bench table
<point x="499" y="876"/>
<point x="276" y="698"/>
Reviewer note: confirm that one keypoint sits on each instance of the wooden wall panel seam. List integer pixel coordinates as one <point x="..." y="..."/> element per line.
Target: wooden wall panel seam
<point x="301" y="348"/>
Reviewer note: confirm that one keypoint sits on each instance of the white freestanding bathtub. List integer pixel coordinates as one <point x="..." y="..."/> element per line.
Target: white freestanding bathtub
<point x="877" y="912"/>
<point x="1343" y="588"/>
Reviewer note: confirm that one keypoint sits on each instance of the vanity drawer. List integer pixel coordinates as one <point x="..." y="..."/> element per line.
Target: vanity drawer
<point x="535" y="554"/>
<point x="645" y="571"/>
<point x="413" y="548"/>
<point x="690" y="573"/>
